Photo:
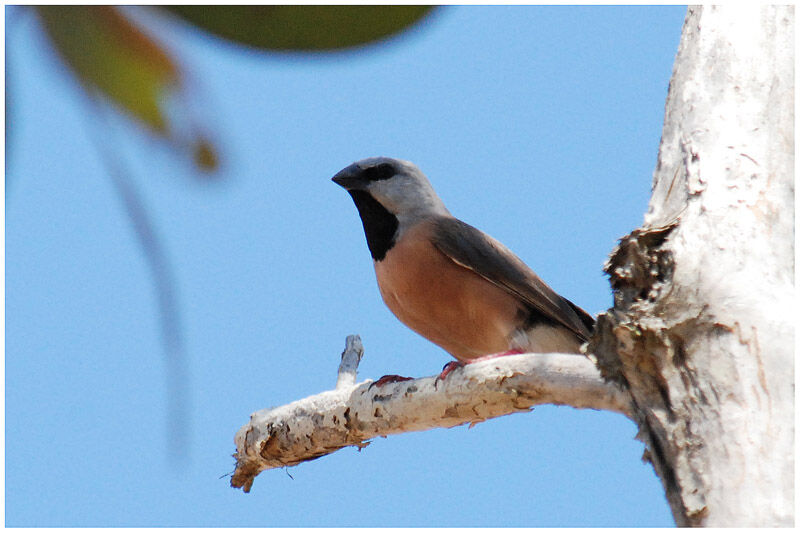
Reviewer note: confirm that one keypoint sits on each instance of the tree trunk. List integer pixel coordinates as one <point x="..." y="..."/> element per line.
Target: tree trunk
<point x="702" y="329"/>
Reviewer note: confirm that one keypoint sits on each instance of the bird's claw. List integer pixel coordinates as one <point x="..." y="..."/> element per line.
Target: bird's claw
<point x="449" y="367"/>
<point x="452" y="365"/>
<point x="391" y="378"/>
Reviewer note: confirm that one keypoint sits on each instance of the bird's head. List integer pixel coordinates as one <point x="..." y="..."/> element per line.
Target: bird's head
<point x="399" y="186"/>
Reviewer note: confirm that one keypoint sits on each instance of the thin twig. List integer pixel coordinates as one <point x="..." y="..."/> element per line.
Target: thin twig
<point x="160" y="269"/>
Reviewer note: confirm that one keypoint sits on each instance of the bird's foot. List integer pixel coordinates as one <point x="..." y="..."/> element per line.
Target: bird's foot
<point x="452" y="365"/>
<point x="449" y="367"/>
<point x="391" y="378"/>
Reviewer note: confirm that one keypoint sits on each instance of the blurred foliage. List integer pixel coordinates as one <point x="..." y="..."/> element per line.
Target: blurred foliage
<point x="302" y="28"/>
<point x="106" y="51"/>
<point x="109" y="54"/>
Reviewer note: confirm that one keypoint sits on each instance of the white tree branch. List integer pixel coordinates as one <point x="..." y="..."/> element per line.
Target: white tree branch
<point x="353" y="413"/>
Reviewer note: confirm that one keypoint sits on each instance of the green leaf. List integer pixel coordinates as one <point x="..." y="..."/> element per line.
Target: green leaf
<point x="302" y="28"/>
<point x="109" y="54"/>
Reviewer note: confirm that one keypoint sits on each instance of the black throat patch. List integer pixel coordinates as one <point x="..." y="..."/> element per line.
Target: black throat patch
<point x="380" y="226"/>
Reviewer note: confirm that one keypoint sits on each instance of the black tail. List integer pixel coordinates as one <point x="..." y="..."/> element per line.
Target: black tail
<point x="584" y="317"/>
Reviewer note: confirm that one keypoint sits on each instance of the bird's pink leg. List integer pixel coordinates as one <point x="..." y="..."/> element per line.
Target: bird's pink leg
<point x="452" y="365"/>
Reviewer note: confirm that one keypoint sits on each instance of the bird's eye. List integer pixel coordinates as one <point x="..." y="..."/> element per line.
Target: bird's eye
<point x="384" y="171"/>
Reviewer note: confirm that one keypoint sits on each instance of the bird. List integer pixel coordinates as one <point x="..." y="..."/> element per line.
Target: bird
<point x="448" y="281"/>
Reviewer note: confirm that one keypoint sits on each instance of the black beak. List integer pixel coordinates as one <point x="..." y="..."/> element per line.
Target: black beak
<point x="350" y="177"/>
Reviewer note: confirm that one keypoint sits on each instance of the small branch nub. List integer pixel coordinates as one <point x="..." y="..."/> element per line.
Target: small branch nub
<point x="351" y="357"/>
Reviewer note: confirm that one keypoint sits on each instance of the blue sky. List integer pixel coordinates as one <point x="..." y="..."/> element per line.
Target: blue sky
<point x="539" y="125"/>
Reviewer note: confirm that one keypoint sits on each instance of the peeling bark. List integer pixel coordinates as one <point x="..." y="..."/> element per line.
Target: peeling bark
<point x="702" y="330"/>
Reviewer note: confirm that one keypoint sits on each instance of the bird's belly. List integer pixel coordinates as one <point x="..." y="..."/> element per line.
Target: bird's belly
<point x="446" y="303"/>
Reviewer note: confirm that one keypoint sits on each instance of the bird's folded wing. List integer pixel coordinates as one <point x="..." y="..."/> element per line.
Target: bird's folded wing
<point x="471" y="248"/>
